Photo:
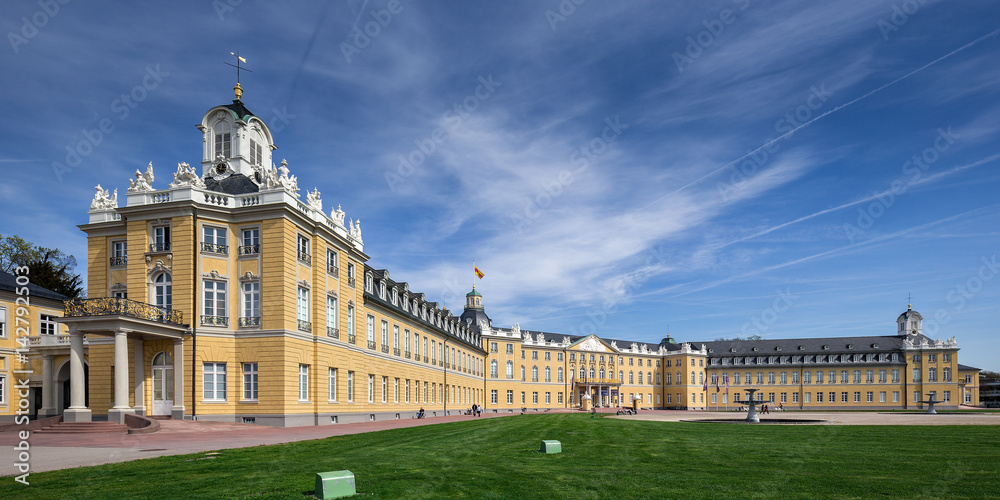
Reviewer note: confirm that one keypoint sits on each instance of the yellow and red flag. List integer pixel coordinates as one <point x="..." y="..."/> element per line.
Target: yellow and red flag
<point x="479" y="274"/>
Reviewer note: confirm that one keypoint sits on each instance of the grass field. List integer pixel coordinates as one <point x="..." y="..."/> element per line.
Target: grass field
<point x="602" y="458"/>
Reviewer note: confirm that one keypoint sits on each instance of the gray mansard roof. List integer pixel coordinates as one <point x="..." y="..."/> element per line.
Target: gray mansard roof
<point x="806" y="346"/>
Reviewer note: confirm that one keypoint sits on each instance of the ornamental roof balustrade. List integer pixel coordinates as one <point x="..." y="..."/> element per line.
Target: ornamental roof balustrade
<point x="115" y="306"/>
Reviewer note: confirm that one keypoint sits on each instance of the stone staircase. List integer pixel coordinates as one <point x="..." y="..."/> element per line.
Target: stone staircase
<point x="84" y="428"/>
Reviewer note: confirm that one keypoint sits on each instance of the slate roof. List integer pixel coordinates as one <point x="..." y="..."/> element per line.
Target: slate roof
<point x="805" y="346"/>
<point x="9" y="282"/>
<point x="239" y="109"/>
<point x="967" y="367"/>
<point x="234" y="184"/>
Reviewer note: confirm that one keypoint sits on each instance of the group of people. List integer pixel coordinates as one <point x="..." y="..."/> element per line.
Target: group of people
<point x="477" y="410"/>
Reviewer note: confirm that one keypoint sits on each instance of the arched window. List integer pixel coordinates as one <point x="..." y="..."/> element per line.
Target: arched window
<point x="163" y="290"/>
<point x="631" y="378"/>
<point x="510" y="369"/>
<point x="583" y="373"/>
<point x="534" y="374"/>
<point x="640" y="378"/>
<point x="701" y="378"/>
<point x="493" y="368"/>
<point x="548" y="374"/>
<point x="559" y="375"/>
<point x="621" y="376"/>
<point x="522" y="373"/>
<point x="602" y="373"/>
<point x="592" y="372"/>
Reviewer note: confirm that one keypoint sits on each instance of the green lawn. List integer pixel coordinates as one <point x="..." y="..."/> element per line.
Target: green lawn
<point x="602" y="458"/>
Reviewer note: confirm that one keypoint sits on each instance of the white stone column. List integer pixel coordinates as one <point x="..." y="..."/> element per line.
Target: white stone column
<point x="177" y="410"/>
<point x="77" y="411"/>
<point x="140" y="377"/>
<point x="48" y="389"/>
<point x="117" y="413"/>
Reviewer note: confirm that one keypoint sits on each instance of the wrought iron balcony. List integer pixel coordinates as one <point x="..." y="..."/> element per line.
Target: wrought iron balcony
<point x="395" y="351"/>
<point x="214" y="248"/>
<point x="247" y="321"/>
<point x="248" y="249"/>
<point x="385" y="348"/>
<point x="305" y="258"/>
<point x="425" y="359"/>
<point x="406" y="354"/>
<point x="351" y="338"/>
<point x="163" y="246"/>
<point x="371" y="344"/>
<point x="333" y="332"/>
<point x="119" y="261"/>
<point x="351" y="281"/>
<point x="215" y="320"/>
<point x="115" y="306"/>
<point x="333" y="270"/>
<point x="305" y="326"/>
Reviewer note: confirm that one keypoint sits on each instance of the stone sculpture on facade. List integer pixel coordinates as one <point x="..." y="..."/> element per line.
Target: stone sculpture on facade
<point x="143" y="181"/>
<point x="186" y="175"/>
<point x="338" y="216"/>
<point x="104" y="200"/>
<point x="314" y="200"/>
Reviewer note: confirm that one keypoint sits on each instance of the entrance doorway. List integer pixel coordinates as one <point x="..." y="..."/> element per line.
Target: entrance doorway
<point x="163" y="384"/>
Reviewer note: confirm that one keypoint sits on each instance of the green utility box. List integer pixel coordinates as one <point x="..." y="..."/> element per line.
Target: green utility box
<point x="335" y="484"/>
<point x="549" y="446"/>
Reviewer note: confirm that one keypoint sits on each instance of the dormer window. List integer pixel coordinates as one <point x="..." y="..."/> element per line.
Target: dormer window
<point x="256" y="153"/>
<point x="826" y="347"/>
<point x="850" y="346"/>
<point x="778" y="348"/>
<point x="755" y="349"/>
<point x="802" y="347"/>
<point x="223" y="144"/>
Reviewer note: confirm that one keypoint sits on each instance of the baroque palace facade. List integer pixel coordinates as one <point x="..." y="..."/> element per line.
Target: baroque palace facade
<point x="223" y="295"/>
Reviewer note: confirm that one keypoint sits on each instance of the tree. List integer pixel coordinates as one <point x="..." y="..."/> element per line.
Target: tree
<point x="752" y="337"/>
<point x="49" y="268"/>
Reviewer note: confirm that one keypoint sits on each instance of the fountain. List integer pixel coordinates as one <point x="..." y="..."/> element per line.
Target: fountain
<point x="751" y="403"/>
<point x="930" y="405"/>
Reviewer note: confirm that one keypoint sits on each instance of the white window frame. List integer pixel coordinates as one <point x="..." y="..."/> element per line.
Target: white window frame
<point x="251" y="384"/>
<point x="350" y="386"/>
<point x="331" y="388"/>
<point x="211" y="370"/>
<point x="303" y="383"/>
<point x="251" y="299"/>
<point x="214" y="294"/>
<point x="47" y="324"/>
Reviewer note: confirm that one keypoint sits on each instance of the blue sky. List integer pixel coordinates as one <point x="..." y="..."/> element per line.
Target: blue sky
<point x="789" y="169"/>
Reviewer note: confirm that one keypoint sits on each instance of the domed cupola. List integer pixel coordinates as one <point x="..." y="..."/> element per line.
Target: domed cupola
<point x="910" y="322"/>
<point x="236" y="147"/>
<point x="474" y="313"/>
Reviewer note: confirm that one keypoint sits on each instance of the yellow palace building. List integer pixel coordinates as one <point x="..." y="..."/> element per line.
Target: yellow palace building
<point x="223" y="294"/>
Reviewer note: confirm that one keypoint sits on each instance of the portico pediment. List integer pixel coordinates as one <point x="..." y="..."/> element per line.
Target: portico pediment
<point x="591" y="343"/>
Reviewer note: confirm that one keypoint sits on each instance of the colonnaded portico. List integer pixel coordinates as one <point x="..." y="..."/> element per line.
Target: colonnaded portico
<point x="119" y="322"/>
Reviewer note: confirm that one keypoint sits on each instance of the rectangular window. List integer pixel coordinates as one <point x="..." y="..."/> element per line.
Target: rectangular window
<point x="881" y="397"/>
<point x="857" y="376"/>
<point x="406" y="341"/>
<point x="303" y="250"/>
<point x="916" y="396"/>
<point x="332" y="384"/>
<point x="843" y="377"/>
<point x="932" y="358"/>
<point x="795" y="397"/>
<point x="214" y="378"/>
<point x="3" y="322"/>
<point x="370" y="332"/>
<point x="350" y="274"/>
<point x="534" y="398"/>
<point x="256" y="153"/>
<point x="395" y="340"/>
<point x="302" y="310"/>
<point x="161" y="239"/>
<point x="251" y="304"/>
<point x="510" y="397"/>
<point x="371" y="388"/>
<point x="331" y="317"/>
<point x="881" y="376"/>
<point x="784" y="397"/>
<point x="548" y="356"/>
<point x="946" y="358"/>
<point x="223" y="145"/>
<point x="406" y="391"/>
<point x="47" y="325"/>
<point x="833" y="397"/>
<point x="895" y="376"/>
<point x="119" y="253"/>
<point x="947" y="396"/>
<point x="493" y="396"/>
<point x="916" y="374"/>
<point x="385" y="389"/>
<point x="760" y="377"/>
<point x="819" y="397"/>
<point x="843" y="397"/>
<point x="522" y="397"/>
<point x="932" y="374"/>
<point x="795" y="377"/>
<point x="548" y="398"/>
<point x="331" y="263"/>
<point x="250" y="241"/>
<point x="819" y="376"/>
<point x="303" y="382"/>
<point x="215" y="304"/>
<point x="395" y="390"/>
<point x="214" y="240"/>
<point x="808" y="397"/>
<point x="783" y="377"/>
<point x="250" y="381"/>
<point x="350" y="386"/>
<point x="869" y="397"/>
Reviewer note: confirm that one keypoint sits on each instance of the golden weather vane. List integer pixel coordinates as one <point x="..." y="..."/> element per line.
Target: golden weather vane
<point x="239" y="59"/>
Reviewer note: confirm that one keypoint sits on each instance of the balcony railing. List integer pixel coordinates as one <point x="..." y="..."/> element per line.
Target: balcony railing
<point x="215" y="320"/>
<point x="333" y="332"/>
<point x="214" y="248"/>
<point x="406" y="354"/>
<point x="371" y="344"/>
<point x="425" y="359"/>
<point x="305" y="326"/>
<point x="333" y="270"/>
<point x="395" y="351"/>
<point x="351" y="338"/>
<point x="163" y="246"/>
<point x="114" y="306"/>
<point x="119" y="261"/>
<point x="385" y="348"/>
<point x="305" y="258"/>
<point x="247" y="321"/>
<point x="351" y="281"/>
<point x="248" y="249"/>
